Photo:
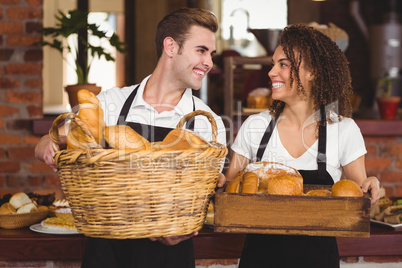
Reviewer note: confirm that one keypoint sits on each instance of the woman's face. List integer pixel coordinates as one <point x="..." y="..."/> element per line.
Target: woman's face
<point x="280" y="77"/>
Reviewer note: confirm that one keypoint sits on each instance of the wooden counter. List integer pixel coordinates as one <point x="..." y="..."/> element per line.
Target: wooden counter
<point x="26" y="245"/>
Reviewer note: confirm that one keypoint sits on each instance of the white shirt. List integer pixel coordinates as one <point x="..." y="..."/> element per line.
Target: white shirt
<point x="345" y="144"/>
<point x="112" y="101"/>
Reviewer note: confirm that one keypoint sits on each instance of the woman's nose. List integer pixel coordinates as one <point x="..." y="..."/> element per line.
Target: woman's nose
<point x="272" y="72"/>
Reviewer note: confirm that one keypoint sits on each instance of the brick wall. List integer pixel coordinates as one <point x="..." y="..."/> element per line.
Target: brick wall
<point x="384" y="160"/>
<point x="21" y="99"/>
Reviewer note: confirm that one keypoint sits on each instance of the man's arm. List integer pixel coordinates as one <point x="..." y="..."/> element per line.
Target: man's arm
<point x="44" y="150"/>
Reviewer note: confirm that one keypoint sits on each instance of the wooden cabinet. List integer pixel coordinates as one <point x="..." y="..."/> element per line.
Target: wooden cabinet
<point x="233" y="106"/>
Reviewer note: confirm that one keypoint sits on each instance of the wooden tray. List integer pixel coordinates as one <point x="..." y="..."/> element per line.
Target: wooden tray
<point x="293" y="215"/>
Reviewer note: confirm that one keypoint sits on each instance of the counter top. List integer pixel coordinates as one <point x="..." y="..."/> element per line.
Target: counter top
<point x="24" y="244"/>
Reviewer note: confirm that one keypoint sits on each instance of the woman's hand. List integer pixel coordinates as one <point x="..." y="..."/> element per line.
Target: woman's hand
<point x="372" y="185"/>
<point x="221" y="180"/>
<point x="173" y="240"/>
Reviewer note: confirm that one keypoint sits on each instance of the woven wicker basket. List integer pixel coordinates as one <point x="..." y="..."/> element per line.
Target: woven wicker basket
<point x="15" y="221"/>
<point x="138" y="194"/>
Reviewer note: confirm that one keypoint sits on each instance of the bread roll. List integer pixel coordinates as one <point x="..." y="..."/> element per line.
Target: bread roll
<point x="182" y="139"/>
<point x="346" y="188"/>
<point x="7" y="209"/>
<point x="268" y="170"/>
<point x="124" y="137"/>
<point x="19" y="199"/>
<point x="250" y="183"/>
<point x="27" y="208"/>
<point x="284" y="185"/>
<point x="319" y="192"/>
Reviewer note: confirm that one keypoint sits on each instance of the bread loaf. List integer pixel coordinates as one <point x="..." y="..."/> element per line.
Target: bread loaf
<point x="182" y="139"/>
<point x="268" y="170"/>
<point x="250" y="183"/>
<point x="255" y="177"/>
<point x="19" y="199"/>
<point x="346" y="188"/>
<point x="124" y="137"/>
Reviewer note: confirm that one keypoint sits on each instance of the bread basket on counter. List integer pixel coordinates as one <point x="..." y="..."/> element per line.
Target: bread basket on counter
<point x="16" y="221"/>
<point x="139" y="194"/>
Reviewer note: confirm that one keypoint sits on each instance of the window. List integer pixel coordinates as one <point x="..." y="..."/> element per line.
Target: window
<point x="57" y="73"/>
<point x="239" y="15"/>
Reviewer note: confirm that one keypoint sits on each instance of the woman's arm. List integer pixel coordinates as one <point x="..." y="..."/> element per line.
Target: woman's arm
<point x="237" y="163"/>
<point x="356" y="171"/>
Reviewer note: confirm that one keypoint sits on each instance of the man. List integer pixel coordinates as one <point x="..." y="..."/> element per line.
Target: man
<point x="185" y="43"/>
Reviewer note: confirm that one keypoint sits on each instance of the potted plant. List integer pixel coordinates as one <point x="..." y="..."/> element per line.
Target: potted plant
<point x="76" y="23"/>
<point x="387" y="104"/>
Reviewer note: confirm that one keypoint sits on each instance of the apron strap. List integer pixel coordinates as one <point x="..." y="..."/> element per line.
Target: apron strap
<point x="265" y="139"/>
<point x="127" y="105"/>
<point x="322" y="144"/>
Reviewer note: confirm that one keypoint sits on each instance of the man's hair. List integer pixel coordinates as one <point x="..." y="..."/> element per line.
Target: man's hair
<point x="178" y="23"/>
<point x="323" y="58"/>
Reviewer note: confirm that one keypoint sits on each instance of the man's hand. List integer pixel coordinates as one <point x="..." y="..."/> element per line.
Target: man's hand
<point x="173" y="240"/>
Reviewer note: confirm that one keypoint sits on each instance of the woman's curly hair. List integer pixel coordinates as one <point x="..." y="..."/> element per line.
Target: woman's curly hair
<point x="321" y="56"/>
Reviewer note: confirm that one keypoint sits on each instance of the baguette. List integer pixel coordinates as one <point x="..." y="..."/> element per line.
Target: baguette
<point x="91" y="113"/>
<point x="182" y="139"/>
<point x="124" y="137"/>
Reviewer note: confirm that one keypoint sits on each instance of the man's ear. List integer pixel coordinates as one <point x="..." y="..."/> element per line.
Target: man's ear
<point x="169" y="46"/>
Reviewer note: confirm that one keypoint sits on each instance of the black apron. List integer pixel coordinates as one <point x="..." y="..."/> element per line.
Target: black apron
<point x="289" y="251"/>
<point x="139" y="253"/>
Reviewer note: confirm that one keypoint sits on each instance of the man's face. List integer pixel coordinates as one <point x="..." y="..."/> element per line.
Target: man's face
<point x="194" y="59"/>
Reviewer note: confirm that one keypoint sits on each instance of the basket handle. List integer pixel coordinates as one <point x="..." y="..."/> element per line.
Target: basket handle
<point x="200" y="112"/>
<point x="54" y="130"/>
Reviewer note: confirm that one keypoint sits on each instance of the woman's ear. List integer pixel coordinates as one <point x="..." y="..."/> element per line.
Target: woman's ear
<point x="169" y="46"/>
<point x="310" y="76"/>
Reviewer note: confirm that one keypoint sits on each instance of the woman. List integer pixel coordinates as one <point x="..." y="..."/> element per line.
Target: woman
<point x="308" y="127"/>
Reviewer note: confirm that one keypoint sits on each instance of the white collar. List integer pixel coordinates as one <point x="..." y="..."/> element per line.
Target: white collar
<point x="184" y="106"/>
